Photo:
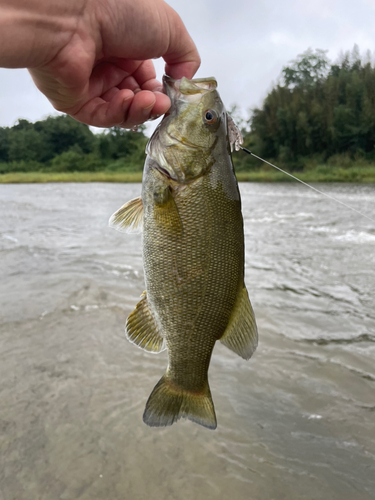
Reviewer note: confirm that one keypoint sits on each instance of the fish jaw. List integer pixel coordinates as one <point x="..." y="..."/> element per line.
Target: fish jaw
<point x="188" y="90"/>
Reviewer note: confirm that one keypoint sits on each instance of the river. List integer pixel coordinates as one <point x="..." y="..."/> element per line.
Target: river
<point x="297" y="421"/>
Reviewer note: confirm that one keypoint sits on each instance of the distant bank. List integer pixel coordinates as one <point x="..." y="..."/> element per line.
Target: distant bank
<point x="319" y="174"/>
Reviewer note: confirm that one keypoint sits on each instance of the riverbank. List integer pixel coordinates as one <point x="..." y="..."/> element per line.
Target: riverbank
<point x="320" y="174"/>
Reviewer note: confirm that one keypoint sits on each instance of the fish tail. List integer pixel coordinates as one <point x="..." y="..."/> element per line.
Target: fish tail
<point x="168" y="403"/>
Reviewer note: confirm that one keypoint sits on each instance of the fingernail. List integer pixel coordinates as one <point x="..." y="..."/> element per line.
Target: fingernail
<point x="159" y="90"/>
<point x="154" y="117"/>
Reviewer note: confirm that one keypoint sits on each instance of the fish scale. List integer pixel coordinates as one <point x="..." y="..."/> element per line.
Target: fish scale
<point x="197" y="300"/>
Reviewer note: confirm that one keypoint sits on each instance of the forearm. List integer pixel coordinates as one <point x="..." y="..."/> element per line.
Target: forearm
<point x="32" y="32"/>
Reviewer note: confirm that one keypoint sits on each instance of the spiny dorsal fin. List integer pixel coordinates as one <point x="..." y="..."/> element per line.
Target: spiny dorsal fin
<point x="241" y="334"/>
<point x="128" y="218"/>
<point x="142" y="329"/>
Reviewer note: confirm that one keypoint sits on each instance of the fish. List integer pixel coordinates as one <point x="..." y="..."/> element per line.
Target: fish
<point x="193" y="251"/>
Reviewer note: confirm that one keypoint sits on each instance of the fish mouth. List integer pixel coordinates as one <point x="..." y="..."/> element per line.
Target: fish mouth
<point x="186" y="89"/>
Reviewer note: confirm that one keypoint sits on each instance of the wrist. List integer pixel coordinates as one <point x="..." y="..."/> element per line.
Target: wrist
<point x="32" y="32"/>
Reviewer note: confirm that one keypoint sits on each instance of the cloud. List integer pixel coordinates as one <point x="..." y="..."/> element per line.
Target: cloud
<point x="19" y="98"/>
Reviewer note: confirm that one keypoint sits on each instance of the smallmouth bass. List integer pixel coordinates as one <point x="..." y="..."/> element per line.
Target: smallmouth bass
<point x="193" y="251"/>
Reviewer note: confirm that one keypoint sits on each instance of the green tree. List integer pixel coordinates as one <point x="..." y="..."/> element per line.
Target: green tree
<point x="61" y="133"/>
<point x="4" y="144"/>
<point x="319" y="110"/>
<point x="25" y="144"/>
<point x="309" y="68"/>
<point x="118" y="143"/>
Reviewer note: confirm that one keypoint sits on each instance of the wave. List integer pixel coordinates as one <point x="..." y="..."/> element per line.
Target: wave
<point x="363" y="337"/>
<point x="323" y="229"/>
<point x="277" y="217"/>
<point x="10" y="238"/>
<point x="356" y="237"/>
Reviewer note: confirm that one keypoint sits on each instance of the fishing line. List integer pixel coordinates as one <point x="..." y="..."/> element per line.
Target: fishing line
<point x="308" y="185"/>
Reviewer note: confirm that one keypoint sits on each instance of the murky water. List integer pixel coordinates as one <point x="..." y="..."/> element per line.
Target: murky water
<point x="295" y="422"/>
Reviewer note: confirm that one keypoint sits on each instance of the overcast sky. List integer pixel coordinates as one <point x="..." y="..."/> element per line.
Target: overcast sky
<point x="243" y="43"/>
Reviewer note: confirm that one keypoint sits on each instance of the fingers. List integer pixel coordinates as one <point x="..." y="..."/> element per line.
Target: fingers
<point x="116" y="97"/>
<point x="145" y="105"/>
<point x="145" y="72"/>
<point x="133" y="75"/>
<point x="123" y="108"/>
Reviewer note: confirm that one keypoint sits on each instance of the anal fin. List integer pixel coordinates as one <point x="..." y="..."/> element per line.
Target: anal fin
<point x="241" y="334"/>
<point x="142" y="329"/>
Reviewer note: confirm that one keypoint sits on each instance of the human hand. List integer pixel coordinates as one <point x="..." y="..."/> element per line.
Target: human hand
<point x="92" y="58"/>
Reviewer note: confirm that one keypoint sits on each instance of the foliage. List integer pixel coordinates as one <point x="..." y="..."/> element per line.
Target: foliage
<point x="318" y="110"/>
<point x="307" y="70"/>
<point x="61" y="144"/>
<point x="102" y="176"/>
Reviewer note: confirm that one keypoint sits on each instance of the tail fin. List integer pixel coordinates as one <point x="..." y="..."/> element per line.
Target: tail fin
<point x="168" y="403"/>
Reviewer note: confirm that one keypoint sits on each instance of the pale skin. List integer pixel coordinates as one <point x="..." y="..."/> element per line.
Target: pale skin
<point x="93" y="58"/>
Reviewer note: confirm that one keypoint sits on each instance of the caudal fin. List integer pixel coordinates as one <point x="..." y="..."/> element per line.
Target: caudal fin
<point x="168" y="403"/>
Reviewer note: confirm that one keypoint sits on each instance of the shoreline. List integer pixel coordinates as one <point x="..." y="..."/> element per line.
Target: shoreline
<point x="364" y="175"/>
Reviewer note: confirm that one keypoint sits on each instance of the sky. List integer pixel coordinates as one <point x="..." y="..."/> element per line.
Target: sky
<point x="243" y="43"/>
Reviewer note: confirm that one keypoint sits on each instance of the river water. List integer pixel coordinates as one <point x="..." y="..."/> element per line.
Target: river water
<point x="297" y="421"/>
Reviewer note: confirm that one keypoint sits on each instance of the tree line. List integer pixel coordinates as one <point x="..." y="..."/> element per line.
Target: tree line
<point x="317" y="113"/>
<point x="61" y="144"/>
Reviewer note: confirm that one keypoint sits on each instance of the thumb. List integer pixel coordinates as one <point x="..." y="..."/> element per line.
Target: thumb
<point x="181" y="57"/>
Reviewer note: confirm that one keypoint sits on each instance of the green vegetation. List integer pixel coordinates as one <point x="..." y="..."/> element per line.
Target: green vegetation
<point x="318" y="114"/>
<point x="63" y="145"/>
<point x="40" y="177"/>
<point x="322" y="173"/>
<point x="318" y="120"/>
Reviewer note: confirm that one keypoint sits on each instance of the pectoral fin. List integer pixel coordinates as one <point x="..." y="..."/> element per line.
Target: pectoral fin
<point x="142" y="329"/>
<point x="165" y="211"/>
<point x="128" y="218"/>
<point x="241" y="334"/>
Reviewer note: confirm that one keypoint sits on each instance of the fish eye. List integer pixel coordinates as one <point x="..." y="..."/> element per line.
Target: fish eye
<point x="210" y="116"/>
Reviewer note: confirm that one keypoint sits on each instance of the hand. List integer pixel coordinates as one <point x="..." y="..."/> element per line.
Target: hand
<point x="92" y="58"/>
